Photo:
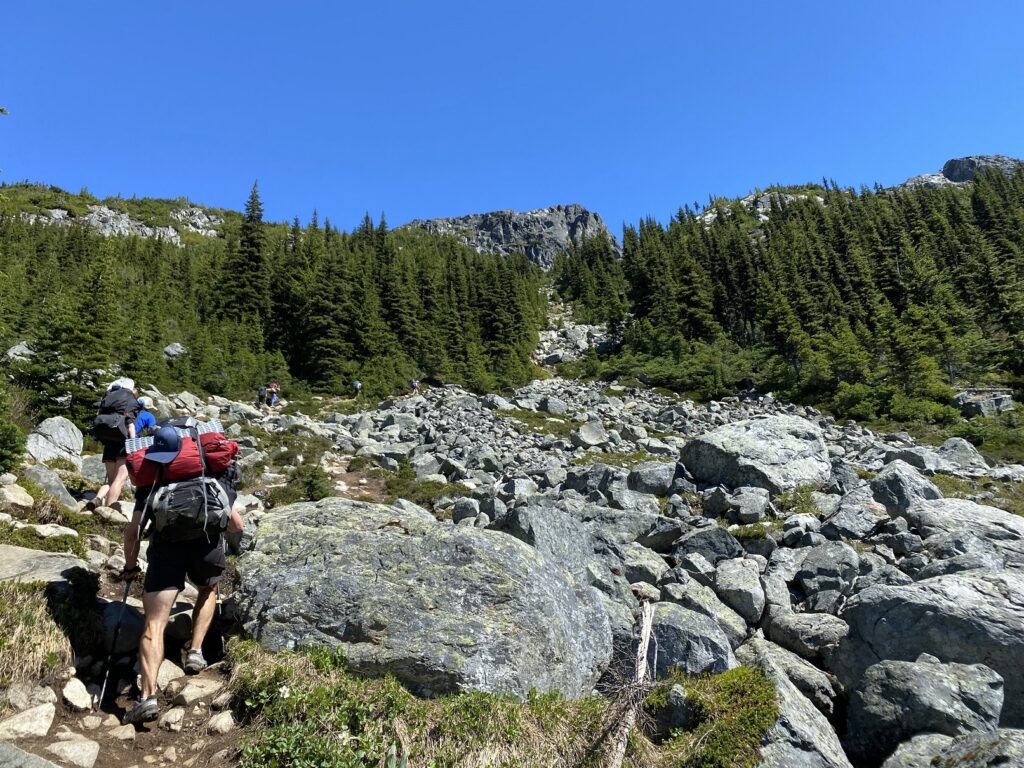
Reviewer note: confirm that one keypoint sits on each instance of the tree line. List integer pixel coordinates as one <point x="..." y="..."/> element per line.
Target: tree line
<point x="311" y="307"/>
<point x="872" y="302"/>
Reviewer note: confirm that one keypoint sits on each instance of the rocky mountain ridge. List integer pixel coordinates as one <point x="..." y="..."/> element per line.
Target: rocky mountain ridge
<point x="886" y="613"/>
<point x="111" y="223"/>
<point x="541" y="234"/>
<point x="962" y="170"/>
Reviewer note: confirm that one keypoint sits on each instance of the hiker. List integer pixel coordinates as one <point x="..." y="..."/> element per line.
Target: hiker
<point x="357" y="385"/>
<point x="115" y="423"/>
<point x="262" y="394"/>
<point x="414" y="385"/>
<point x="145" y="424"/>
<point x="272" y="396"/>
<point x="173" y="555"/>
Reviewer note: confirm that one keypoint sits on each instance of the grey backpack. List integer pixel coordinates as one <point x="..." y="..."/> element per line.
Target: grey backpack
<point x="190" y="509"/>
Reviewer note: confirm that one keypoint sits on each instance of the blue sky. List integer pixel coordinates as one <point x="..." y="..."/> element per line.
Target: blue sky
<point x="422" y="109"/>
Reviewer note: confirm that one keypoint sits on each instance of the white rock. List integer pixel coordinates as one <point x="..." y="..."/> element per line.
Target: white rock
<point x="76" y="696"/>
<point x="168" y="671"/>
<point x="14" y="498"/>
<point x="81" y="752"/>
<point x="221" y="723"/>
<point x="32" y="722"/>
<point x="172" y="719"/>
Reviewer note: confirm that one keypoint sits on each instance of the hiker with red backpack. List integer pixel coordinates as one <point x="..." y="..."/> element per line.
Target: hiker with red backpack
<point x="114" y="424"/>
<point x="185" y="488"/>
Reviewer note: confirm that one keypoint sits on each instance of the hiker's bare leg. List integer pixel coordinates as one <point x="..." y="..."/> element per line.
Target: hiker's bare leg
<point x="118" y="481"/>
<point x="151" y="647"/>
<point x="202" y="616"/>
<point x="110" y="467"/>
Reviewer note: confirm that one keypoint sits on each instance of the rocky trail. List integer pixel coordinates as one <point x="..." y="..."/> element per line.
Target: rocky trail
<point x="887" y="612"/>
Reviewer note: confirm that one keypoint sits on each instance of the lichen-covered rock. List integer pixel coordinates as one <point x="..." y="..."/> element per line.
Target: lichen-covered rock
<point x="802" y="736"/>
<point x="899" y="486"/>
<point x="972" y="617"/>
<point x="814" y="684"/>
<point x="777" y="453"/>
<point x="55" y="438"/>
<point x="898" y="699"/>
<point x="1004" y="531"/>
<point x="442" y="608"/>
<point x="1002" y="749"/>
<point x="688" y="641"/>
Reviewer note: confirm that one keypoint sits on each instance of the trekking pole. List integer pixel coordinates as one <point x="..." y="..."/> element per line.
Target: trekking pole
<point x="113" y="645"/>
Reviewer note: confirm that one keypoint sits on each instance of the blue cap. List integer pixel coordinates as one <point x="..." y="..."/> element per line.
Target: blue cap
<point x="166" y="446"/>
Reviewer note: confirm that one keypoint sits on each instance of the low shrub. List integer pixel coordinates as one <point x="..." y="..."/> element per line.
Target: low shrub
<point x="308" y="482"/>
<point x="404" y="485"/>
<point x="799" y="501"/>
<point x="28" y="538"/>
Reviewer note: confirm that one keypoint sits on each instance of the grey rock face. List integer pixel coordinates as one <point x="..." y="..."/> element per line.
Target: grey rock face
<point x="857" y="517"/>
<point x="738" y="585"/>
<point x="777" y="453"/>
<point x="541" y="234"/>
<point x="1002" y="749"/>
<point x="811" y="635"/>
<point x="174" y="351"/>
<point x="899" y="485"/>
<point x="688" y="641"/>
<point x="898" y="699"/>
<point x="962" y="457"/>
<point x="55" y="438"/>
<point x="22" y="564"/>
<point x="689" y="593"/>
<point x="1002" y="530"/>
<point x="814" y="684"/>
<point x="826" y="575"/>
<point x="973" y="617"/>
<point x="711" y="541"/>
<point x="653" y="477"/>
<point x="50" y="482"/>
<point x="962" y="170"/>
<point x="802" y="736"/>
<point x="442" y="608"/>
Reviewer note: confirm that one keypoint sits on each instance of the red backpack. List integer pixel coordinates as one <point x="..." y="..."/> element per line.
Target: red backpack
<point x="218" y="451"/>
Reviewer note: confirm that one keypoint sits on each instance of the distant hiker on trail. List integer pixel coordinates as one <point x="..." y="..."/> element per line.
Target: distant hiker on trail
<point x="262" y="394"/>
<point x="272" y="395"/>
<point x="146" y="422"/>
<point x="357" y="385"/>
<point x="189" y="519"/>
<point x="115" y="423"/>
<point x="414" y="385"/>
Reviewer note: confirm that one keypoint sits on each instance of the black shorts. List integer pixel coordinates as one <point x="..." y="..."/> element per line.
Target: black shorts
<point x="113" y="451"/>
<point x="171" y="561"/>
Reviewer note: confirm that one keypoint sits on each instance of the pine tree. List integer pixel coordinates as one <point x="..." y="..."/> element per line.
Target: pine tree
<point x="246" y="279"/>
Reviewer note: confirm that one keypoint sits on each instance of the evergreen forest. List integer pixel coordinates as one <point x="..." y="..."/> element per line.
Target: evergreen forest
<point x="312" y="307"/>
<point x="871" y="303"/>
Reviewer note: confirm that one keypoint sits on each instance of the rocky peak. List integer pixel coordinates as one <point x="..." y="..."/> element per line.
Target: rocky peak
<point x="961" y="170"/>
<point x="540" y="234"/>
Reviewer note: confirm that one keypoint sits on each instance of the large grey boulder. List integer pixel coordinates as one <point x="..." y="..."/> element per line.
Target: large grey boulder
<point x="811" y="635"/>
<point x="22" y="564"/>
<point x="898" y="699"/>
<point x="857" y="517"/>
<point x="55" y="438"/>
<point x="1004" y="531"/>
<point x="711" y="541"/>
<point x="688" y="641"/>
<point x="962" y="457"/>
<point x="777" y="453"/>
<point x="972" y="617"/>
<point x="653" y="477"/>
<point x="50" y="481"/>
<point x="826" y="575"/>
<point x="590" y="435"/>
<point x="689" y="593"/>
<point x="738" y="585"/>
<point x="981" y="749"/>
<point x="814" y="684"/>
<point x="802" y="736"/>
<point x="899" y="486"/>
<point x="442" y="608"/>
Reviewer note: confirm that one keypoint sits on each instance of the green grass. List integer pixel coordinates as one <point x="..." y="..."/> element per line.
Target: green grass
<point x="305" y="709"/>
<point x="731" y="713"/>
<point x="307" y="482"/>
<point x="528" y="422"/>
<point x="1007" y="496"/>
<point x="28" y="538"/>
<point x="404" y="485"/>
<point x="48" y="510"/>
<point x="799" y="501"/>
<point x="626" y="460"/>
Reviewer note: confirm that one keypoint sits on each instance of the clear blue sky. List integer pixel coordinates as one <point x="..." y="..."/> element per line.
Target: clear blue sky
<point x="423" y="109"/>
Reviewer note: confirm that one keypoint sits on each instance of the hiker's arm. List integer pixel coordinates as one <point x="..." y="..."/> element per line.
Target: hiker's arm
<point x="131" y="430"/>
<point x="131" y="539"/>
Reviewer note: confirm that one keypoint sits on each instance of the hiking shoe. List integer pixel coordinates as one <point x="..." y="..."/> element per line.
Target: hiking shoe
<point x="144" y="711"/>
<point x="195" y="663"/>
